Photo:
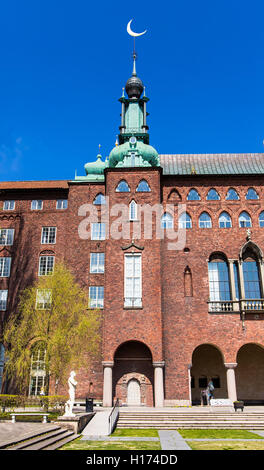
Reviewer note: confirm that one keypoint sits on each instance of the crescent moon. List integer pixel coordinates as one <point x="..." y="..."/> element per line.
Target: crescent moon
<point x="129" y="30"/>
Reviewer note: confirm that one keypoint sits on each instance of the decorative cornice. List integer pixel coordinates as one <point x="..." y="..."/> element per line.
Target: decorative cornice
<point x="132" y="245"/>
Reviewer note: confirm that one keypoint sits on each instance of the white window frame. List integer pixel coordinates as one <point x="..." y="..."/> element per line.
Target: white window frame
<point x="167" y="221"/>
<point x="3" y="299"/>
<point x="98" y="231"/>
<point x="5" y="266"/>
<point x="133" y="209"/>
<point x="35" y="202"/>
<point x="63" y="203"/>
<point x="132" y="280"/>
<point x="7" y="235"/>
<point x="37" y="372"/>
<point x="184" y="222"/>
<point x="96" y="301"/>
<point x="205" y="223"/>
<point x="97" y="262"/>
<point x="47" y="258"/>
<point x="48" y="235"/>
<point x="43" y="299"/>
<point x="9" y="205"/>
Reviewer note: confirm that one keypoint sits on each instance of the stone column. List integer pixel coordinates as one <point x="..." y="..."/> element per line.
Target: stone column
<point x="158" y="383"/>
<point x="108" y="383"/>
<point x="189" y="381"/>
<point x="231" y="380"/>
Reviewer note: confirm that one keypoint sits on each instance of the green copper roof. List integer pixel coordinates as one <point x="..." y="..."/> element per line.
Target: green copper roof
<point x="213" y="164"/>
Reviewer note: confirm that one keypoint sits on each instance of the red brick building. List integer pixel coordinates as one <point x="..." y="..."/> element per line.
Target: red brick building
<point x="170" y="248"/>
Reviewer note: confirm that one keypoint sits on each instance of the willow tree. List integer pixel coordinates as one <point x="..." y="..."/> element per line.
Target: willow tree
<point x="53" y="313"/>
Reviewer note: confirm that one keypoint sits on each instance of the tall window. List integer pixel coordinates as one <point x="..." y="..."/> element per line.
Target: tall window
<point x="36" y="205"/>
<point x="143" y="187"/>
<point x="193" y="195"/>
<point x="97" y="231"/>
<point x="5" y="265"/>
<point x="99" y="199"/>
<point x="43" y="299"/>
<point x="251" y="279"/>
<point x="48" y="235"/>
<point x="166" y="221"/>
<point x="9" y="205"/>
<point x="97" y="263"/>
<point x="205" y="220"/>
<point x="225" y="220"/>
<point x="219" y="284"/>
<point x="244" y="220"/>
<point x="46" y="265"/>
<point x="61" y="204"/>
<point x="2" y="362"/>
<point x="252" y="194"/>
<point x="232" y="195"/>
<point x="133" y="210"/>
<point x="3" y="299"/>
<point x="96" y="297"/>
<point x="185" y="220"/>
<point x="37" y="370"/>
<point x="6" y="236"/>
<point x="133" y="280"/>
<point x="123" y="187"/>
<point x="212" y="195"/>
<point x="261" y="219"/>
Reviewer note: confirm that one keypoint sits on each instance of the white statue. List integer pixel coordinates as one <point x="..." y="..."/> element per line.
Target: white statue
<point x="72" y="387"/>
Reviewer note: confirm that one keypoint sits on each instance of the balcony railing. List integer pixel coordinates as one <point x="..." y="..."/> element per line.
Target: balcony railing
<point x="133" y="302"/>
<point x="246" y="305"/>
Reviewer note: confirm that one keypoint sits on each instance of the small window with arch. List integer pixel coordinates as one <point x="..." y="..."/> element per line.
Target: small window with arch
<point x="143" y="187"/>
<point x="252" y="194"/>
<point x="99" y="199"/>
<point x="205" y="220"/>
<point x="245" y="220"/>
<point x="225" y="220"/>
<point x="212" y="195"/>
<point x="232" y="195"/>
<point x="122" y="187"/>
<point x="193" y="195"/>
<point x="261" y="219"/>
<point x="166" y="221"/>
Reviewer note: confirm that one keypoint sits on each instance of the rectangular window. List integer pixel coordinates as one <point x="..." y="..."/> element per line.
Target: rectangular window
<point x="5" y="265"/>
<point x="133" y="281"/>
<point x="97" y="263"/>
<point x="9" y="205"/>
<point x="46" y="265"/>
<point x="6" y="236"/>
<point x="219" y="285"/>
<point x="62" y="204"/>
<point x="48" y="235"/>
<point x="96" y="297"/>
<point x="3" y="299"/>
<point x="36" y="205"/>
<point x="43" y="299"/>
<point x="251" y="280"/>
<point x="97" y="231"/>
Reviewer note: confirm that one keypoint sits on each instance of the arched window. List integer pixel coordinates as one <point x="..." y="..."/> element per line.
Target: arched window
<point x="193" y="195"/>
<point x="143" y="187"/>
<point x="232" y="195"/>
<point x="166" y="220"/>
<point x="37" y="369"/>
<point x="261" y="219"/>
<point x="185" y="220"/>
<point x="133" y="210"/>
<point x="123" y="187"/>
<point x="212" y="195"/>
<point x="2" y="361"/>
<point x="99" y="199"/>
<point x="219" y="282"/>
<point x="252" y="194"/>
<point x="225" y="220"/>
<point x="205" y="220"/>
<point x="251" y="279"/>
<point x="245" y="220"/>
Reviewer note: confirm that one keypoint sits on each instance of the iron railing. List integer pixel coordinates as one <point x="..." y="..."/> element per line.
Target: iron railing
<point x="113" y="417"/>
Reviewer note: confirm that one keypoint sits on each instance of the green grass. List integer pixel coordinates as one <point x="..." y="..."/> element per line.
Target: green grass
<point x="135" y="433"/>
<point x="107" y="445"/>
<point x="217" y="434"/>
<point x="226" y="445"/>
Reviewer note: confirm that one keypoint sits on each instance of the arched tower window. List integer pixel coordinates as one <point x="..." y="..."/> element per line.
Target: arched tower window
<point x="232" y="195"/>
<point x="193" y="195"/>
<point x="212" y="195"/>
<point x="99" y="199"/>
<point x="252" y="194"/>
<point x="122" y="187"/>
<point x="133" y="210"/>
<point x="205" y="220"/>
<point x="143" y="187"/>
<point x="225" y="220"/>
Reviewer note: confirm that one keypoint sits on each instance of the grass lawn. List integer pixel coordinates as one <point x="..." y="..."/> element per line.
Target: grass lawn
<point x="107" y="445"/>
<point x="217" y="434"/>
<point x="226" y="445"/>
<point x="135" y="433"/>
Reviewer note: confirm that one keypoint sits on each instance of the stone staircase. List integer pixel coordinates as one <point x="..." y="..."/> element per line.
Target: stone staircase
<point x="189" y="419"/>
<point x="51" y="439"/>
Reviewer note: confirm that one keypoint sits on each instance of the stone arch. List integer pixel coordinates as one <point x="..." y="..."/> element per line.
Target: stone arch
<point x="133" y="361"/>
<point x="250" y="373"/>
<point x="207" y="363"/>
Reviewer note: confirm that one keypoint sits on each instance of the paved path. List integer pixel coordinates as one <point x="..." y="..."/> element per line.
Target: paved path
<point x="172" y="440"/>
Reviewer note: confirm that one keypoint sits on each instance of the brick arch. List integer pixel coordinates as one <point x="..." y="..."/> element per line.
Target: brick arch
<point x="139" y="348"/>
<point x="250" y="373"/>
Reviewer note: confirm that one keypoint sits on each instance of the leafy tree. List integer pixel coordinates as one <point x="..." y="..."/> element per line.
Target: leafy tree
<point x="53" y="312"/>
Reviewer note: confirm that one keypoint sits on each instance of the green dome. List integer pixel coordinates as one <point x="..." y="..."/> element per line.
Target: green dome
<point x="145" y="155"/>
<point x="95" y="168"/>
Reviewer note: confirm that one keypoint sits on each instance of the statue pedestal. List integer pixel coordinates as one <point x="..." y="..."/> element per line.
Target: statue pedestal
<point x="75" y="423"/>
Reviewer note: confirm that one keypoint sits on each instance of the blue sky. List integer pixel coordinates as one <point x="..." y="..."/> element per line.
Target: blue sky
<point x="64" y="63"/>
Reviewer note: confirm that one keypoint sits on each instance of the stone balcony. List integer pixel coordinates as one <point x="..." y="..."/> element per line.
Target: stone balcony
<point x="236" y="306"/>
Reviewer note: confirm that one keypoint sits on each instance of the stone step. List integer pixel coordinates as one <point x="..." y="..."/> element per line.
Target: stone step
<point x="50" y="441"/>
<point x="11" y="442"/>
<point x="61" y="443"/>
<point x="39" y="439"/>
<point x="253" y="426"/>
